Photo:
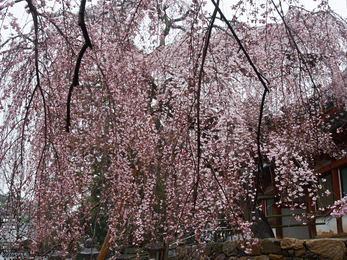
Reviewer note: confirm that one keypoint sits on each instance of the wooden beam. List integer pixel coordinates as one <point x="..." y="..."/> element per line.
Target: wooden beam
<point x="333" y="165"/>
<point x="337" y="195"/>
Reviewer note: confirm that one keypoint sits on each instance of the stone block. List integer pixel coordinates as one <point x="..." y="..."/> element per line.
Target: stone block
<point x="285" y="252"/>
<point x="276" y="257"/>
<point x="213" y="256"/>
<point x="229" y="248"/>
<point x="240" y="253"/>
<point x="311" y="256"/>
<point x="300" y="252"/>
<point x="327" y="248"/>
<point x="255" y="249"/>
<point x="261" y="257"/>
<point x="270" y="246"/>
<point x="291" y="243"/>
<point x="208" y="249"/>
<point x="221" y="257"/>
<point x="217" y="247"/>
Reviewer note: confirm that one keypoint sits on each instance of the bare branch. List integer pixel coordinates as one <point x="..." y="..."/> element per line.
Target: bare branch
<point x="301" y="56"/>
<point x="260" y="77"/>
<point x="75" y="81"/>
<point x="207" y="41"/>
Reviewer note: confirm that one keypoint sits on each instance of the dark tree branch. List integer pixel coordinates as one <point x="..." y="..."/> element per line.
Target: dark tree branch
<point x="301" y="56"/>
<point x="34" y="14"/>
<point x="262" y="79"/>
<point x="178" y="27"/>
<point x="260" y="76"/>
<point x="9" y="39"/>
<point x="183" y="16"/>
<point x="82" y="24"/>
<point x="170" y="24"/>
<point x="75" y="81"/>
<point x="207" y="41"/>
<point x="260" y="164"/>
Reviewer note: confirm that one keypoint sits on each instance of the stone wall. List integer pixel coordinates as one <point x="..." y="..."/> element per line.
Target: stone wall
<point x="274" y="249"/>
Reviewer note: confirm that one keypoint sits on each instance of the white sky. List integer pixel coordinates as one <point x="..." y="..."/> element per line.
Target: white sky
<point x="339" y="6"/>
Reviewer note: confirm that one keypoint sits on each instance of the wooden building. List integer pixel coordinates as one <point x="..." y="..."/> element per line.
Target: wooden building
<point x="332" y="174"/>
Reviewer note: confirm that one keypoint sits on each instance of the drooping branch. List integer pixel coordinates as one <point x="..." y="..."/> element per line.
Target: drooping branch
<point x="262" y="79"/>
<point x="75" y="80"/>
<point x="8" y="40"/>
<point x="57" y="28"/>
<point x="260" y="164"/>
<point x="16" y="191"/>
<point x="301" y="56"/>
<point x="34" y="14"/>
<point x="38" y="86"/>
<point x="198" y="95"/>
<point x="82" y="23"/>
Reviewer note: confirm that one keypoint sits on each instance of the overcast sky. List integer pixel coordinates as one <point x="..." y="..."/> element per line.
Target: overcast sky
<point x="339" y="6"/>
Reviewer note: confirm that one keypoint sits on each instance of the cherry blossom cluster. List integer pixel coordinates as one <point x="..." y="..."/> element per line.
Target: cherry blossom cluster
<point x="157" y="143"/>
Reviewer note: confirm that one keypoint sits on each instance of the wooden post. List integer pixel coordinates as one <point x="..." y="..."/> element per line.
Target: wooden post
<point x="166" y="250"/>
<point x="311" y="228"/>
<point x="104" y="248"/>
<point x="336" y="193"/>
<point x="279" y="230"/>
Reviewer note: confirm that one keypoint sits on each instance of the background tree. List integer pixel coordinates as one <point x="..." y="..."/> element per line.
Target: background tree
<point x="158" y="107"/>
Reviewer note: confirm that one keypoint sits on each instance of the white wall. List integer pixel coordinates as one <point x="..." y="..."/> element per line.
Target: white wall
<point x="329" y="228"/>
<point x="297" y="232"/>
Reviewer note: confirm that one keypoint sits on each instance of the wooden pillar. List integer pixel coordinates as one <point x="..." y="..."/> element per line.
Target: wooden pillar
<point x="279" y="230"/>
<point x="166" y="250"/>
<point x="336" y="184"/>
<point x="337" y="195"/>
<point x="104" y="249"/>
<point x="311" y="228"/>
